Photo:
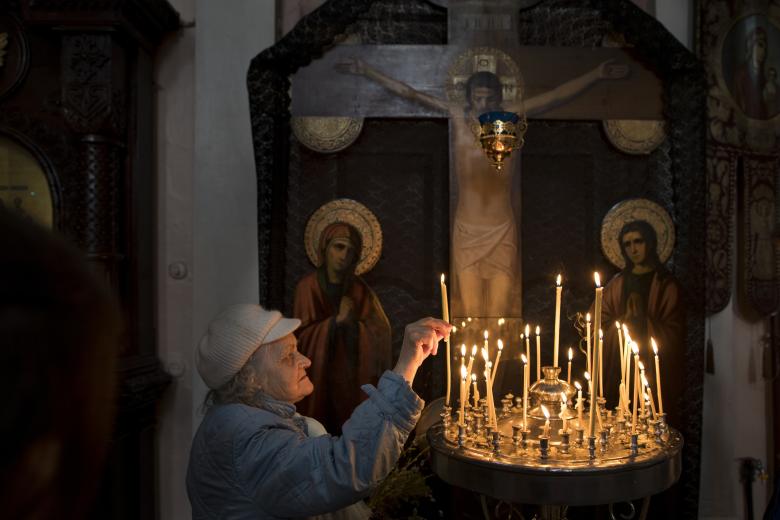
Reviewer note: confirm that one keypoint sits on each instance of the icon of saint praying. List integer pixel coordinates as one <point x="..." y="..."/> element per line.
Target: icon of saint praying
<point x="484" y="229"/>
<point x="344" y="330"/>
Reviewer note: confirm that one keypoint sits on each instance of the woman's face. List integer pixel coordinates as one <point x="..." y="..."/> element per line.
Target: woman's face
<point x="282" y="370"/>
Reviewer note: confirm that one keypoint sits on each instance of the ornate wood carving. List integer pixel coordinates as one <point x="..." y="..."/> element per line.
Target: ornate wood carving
<point x="721" y="180"/>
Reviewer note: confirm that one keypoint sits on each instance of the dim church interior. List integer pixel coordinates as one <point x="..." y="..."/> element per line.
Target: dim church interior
<point x="199" y="251"/>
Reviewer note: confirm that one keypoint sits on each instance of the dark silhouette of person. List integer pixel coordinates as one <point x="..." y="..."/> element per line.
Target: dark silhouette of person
<point x="59" y="328"/>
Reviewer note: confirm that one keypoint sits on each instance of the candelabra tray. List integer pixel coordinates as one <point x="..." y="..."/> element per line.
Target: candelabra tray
<point x="520" y="475"/>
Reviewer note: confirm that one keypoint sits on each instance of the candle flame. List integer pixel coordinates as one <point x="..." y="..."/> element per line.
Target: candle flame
<point x="538" y="330"/>
<point x="454" y="329"/>
<point x="485" y="354"/>
<point x="500" y="345"/>
<point x="522" y="337"/>
<point x="525" y="359"/>
<point x="527" y="330"/>
<point x="655" y="345"/>
<point x="571" y="353"/>
<point x="473" y="378"/>
<point x="625" y="328"/>
<point x="468" y="319"/>
<point x="485" y="334"/>
<point x="473" y="350"/>
<point x="463" y="349"/>
<point x="587" y="375"/>
<point x="635" y="348"/>
<point x="546" y="412"/>
<point x="462" y="324"/>
<point x="501" y="321"/>
<point x="601" y="334"/>
<point x="597" y="278"/>
<point x="641" y="366"/>
<point x="463" y="372"/>
<point x="489" y="364"/>
<point x="558" y="281"/>
<point x="578" y="385"/>
<point x="587" y="317"/>
<point x="442" y="277"/>
<point x="617" y="325"/>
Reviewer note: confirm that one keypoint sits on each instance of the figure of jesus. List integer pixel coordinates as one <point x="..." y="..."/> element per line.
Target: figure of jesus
<point x="484" y="232"/>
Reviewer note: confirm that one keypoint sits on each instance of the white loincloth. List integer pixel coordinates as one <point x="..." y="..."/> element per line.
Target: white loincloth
<point x="485" y="249"/>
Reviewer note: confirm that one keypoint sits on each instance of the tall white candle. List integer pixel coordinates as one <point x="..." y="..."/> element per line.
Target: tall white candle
<point x="462" y="391"/>
<point x="596" y="321"/>
<point x="642" y="380"/>
<point x="476" y="390"/>
<point x="538" y="354"/>
<point x="658" y="377"/>
<point x="526" y="375"/>
<point x="635" y="349"/>
<point x="563" y="410"/>
<point x="558" y="290"/>
<point x="568" y="375"/>
<point x="601" y="363"/>
<point x="528" y="344"/>
<point x="446" y="317"/>
<point x="579" y="403"/>
<point x="488" y="387"/>
<point x="588" y="361"/>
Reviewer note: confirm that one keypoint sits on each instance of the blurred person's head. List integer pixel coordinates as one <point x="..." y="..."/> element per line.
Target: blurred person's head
<point x="249" y="352"/>
<point x="59" y="332"/>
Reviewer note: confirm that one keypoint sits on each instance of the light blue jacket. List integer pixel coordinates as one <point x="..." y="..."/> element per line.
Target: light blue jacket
<point x="259" y="463"/>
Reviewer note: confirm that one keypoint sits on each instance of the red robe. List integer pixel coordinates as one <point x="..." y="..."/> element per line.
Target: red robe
<point x="665" y="321"/>
<point x="343" y="357"/>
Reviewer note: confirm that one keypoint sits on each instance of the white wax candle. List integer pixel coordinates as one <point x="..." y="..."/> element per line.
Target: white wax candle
<point x="568" y="376"/>
<point x="579" y="403"/>
<point x="635" y="349"/>
<point x="476" y="390"/>
<point x="498" y="358"/>
<point x="546" y="430"/>
<point x="558" y="290"/>
<point x="538" y="354"/>
<point x="446" y="317"/>
<point x="463" y="384"/>
<point x="588" y="366"/>
<point x="658" y="377"/>
<point x="528" y="346"/>
<point x="563" y="410"/>
<point x="526" y="375"/>
<point x="642" y="380"/>
<point x="601" y="363"/>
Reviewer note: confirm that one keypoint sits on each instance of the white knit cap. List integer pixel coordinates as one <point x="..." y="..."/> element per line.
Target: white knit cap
<point x="233" y="336"/>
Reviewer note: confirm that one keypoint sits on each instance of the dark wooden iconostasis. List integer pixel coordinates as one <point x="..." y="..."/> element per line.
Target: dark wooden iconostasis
<point x="76" y="91"/>
<point x="571" y="177"/>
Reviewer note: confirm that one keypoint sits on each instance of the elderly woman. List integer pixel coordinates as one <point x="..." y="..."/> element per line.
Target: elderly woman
<point x="255" y="457"/>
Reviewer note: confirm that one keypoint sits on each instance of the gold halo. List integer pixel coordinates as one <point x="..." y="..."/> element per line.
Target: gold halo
<point x="636" y="209"/>
<point x="326" y="134"/>
<point x="488" y="59"/>
<point x="350" y="212"/>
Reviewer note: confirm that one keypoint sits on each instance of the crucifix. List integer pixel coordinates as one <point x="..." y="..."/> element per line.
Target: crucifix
<point x="481" y="69"/>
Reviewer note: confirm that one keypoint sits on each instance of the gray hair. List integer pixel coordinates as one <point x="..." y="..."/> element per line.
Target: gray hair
<point x="242" y="388"/>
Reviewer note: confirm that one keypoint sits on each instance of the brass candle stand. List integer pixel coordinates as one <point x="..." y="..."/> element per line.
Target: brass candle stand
<point x="556" y="468"/>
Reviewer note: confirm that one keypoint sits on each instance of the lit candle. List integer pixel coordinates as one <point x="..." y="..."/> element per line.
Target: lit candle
<point x="546" y="430"/>
<point x="558" y="290"/>
<point x="658" y="377"/>
<point x="642" y="380"/>
<point x="485" y="335"/>
<point x="488" y="386"/>
<point x="446" y="317"/>
<point x="601" y="363"/>
<point x="563" y="410"/>
<point x="462" y="392"/>
<point x="596" y="323"/>
<point x="627" y="340"/>
<point x="471" y="363"/>
<point x="538" y="354"/>
<point x="649" y="399"/>
<point x="498" y="358"/>
<point x="476" y="390"/>
<point x="526" y="375"/>
<point x="587" y="340"/>
<point x="579" y="403"/>
<point x="528" y="344"/>
<point x="635" y="349"/>
<point x="622" y="351"/>
<point x="571" y="355"/>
